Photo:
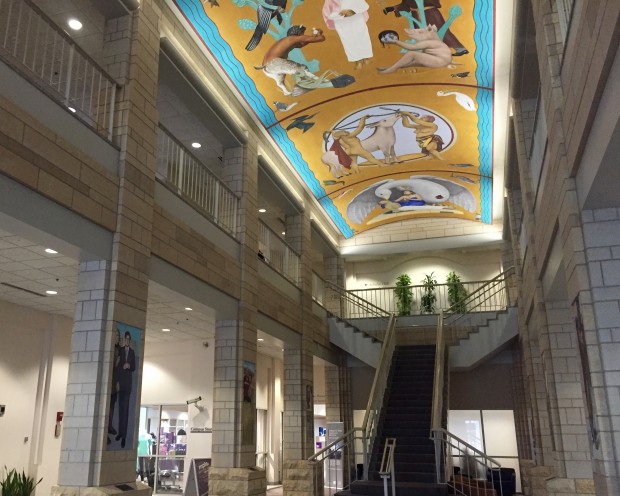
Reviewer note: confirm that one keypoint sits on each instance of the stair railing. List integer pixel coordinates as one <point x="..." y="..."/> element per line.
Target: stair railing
<point x="386" y="470"/>
<point x="356" y="445"/>
<point x="474" y="465"/>
<point x="470" y="313"/>
<point x="449" y="325"/>
<point x="352" y="308"/>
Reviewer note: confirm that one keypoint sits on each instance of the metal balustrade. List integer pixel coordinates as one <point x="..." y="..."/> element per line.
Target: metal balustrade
<point x="191" y="180"/>
<point x="385" y="298"/>
<point x="318" y="288"/>
<point x="39" y="50"/>
<point x="274" y="251"/>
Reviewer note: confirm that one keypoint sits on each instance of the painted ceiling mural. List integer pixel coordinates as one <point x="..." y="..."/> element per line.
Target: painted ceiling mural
<point x="384" y="109"/>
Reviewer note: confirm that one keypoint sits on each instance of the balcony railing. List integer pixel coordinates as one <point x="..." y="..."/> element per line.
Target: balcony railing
<point x="385" y="298"/>
<point x="274" y="251"/>
<point x="192" y="181"/>
<point x="39" y="50"/>
<point x="318" y="288"/>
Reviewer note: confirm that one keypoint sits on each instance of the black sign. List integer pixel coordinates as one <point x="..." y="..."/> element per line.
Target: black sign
<point x="198" y="480"/>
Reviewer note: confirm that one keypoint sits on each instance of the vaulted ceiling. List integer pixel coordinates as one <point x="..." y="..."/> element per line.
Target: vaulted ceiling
<point x="384" y="110"/>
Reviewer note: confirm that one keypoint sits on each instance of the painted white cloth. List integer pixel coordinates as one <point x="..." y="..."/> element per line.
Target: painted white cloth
<point x="352" y="30"/>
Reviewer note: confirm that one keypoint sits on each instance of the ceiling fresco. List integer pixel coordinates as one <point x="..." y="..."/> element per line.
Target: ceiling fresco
<point x="383" y="109"/>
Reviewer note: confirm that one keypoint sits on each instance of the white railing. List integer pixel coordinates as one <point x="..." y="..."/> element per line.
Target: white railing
<point x="318" y="288"/>
<point x="39" y="50"/>
<point x="274" y="251"/>
<point x="385" y="298"/>
<point x="191" y="180"/>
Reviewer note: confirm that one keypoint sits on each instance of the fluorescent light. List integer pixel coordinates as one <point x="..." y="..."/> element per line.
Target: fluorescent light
<point x="189" y="309"/>
<point x="74" y="24"/>
<point x="262" y="210"/>
<point x="195" y="144"/>
<point x="51" y="292"/>
<point x="50" y="251"/>
<point x="165" y="330"/>
<point x="261" y="339"/>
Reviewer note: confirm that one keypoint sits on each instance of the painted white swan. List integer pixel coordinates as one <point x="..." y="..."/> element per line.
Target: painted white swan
<point x="463" y="100"/>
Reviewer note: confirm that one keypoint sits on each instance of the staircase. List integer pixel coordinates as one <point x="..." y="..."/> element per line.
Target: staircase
<point x="407" y="417"/>
<point x="355" y="340"/>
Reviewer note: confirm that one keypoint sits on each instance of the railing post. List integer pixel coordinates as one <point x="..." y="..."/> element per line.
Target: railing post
<point x="69" y="69"/>
<point x="112" y="108"/>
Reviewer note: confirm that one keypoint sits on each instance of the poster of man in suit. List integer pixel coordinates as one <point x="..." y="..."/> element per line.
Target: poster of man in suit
<point x="127" y="353"/>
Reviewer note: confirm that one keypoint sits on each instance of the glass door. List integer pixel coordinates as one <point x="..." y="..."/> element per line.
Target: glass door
<point x="162" y="447"/>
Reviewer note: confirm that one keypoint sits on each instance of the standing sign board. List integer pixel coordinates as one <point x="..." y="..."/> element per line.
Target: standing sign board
<point x="198" y="480"/>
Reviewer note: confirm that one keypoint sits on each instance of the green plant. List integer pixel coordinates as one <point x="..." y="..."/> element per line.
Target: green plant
<point x="428" y="296"/>
<point x="16" y="484"/>
<point x="456" y="293"/>
<point x="403" y="294"/>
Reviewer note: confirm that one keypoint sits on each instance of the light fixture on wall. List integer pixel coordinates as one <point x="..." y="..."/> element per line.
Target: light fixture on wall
<point x="74" y="24"/>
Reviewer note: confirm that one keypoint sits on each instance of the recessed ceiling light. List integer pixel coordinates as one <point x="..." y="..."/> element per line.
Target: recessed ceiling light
<point x="262" y="210"/>
<point x="51" y="292"/>
<point x="74" y="24"/>
<point x="283" y="233"/>
<point x="189" y="309"/>
<point x="71" y="109"/>
<point x="50" y="251"/>
<point x="261" y="339"/>
<point x="195" y="144"/>
<point x="165" y="330"/>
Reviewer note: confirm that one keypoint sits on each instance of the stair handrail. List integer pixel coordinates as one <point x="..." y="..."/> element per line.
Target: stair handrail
<point x="451" y="317"/>
<point x="377" y="391"/>
<point x="345" y="295"/>
<point x="367" y="433"/>
<point x="449" y="444"/>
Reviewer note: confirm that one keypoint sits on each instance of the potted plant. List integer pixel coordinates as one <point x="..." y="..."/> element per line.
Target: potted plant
<point x="15" y="484"/>
<point x="456" y="293"/>
<point x="428" y="296"/>
<point x="403" y="294"/>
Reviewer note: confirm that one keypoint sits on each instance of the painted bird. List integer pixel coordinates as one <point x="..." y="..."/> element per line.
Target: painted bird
<point x="463" y="100"/>
<point x="300" y="123"/>
<point x="460" y="75"/>
<point x="213" y="3"/>
<point x="283" y="107"/>
<point x="265" y="11"/>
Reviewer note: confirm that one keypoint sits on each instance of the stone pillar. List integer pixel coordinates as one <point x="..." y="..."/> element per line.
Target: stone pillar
<point x="303" y="478"/>
<point x="298" y="421"/>
<point x="334" y="274"/>
<point x="116" y="291"/>
<point x="234" y="398"/>
<point x="600" y="311"/>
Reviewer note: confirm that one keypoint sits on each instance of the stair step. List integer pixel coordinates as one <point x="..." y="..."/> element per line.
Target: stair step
<point x="375" y="488"/>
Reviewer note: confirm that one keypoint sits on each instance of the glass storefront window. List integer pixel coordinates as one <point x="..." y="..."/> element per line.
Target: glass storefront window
<point x="161" y="462"/>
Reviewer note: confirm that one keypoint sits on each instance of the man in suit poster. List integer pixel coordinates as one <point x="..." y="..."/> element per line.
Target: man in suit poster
<point x="125" y="386"/>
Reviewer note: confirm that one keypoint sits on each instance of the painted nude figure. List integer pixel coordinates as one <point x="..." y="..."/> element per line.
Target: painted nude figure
<point x="425" y="128"/>
<point x="352" y="145"/>
<point x="276" y="64"/>
<point x="427" y="51"/>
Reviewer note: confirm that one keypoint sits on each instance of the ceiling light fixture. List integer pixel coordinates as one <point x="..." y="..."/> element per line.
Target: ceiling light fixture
<point x="74" y="24"/>
<point x="262" y="210"/>
<point x="165" y="330"/>
<point x="50" y="251"/>
<point x="195" y="144"/>
<point x="71" y="109"/>
<point x="51" y="292"/>
<point x="261" y="339"/>
<point x="189" y="309"/>
<point x="283" y="233"/>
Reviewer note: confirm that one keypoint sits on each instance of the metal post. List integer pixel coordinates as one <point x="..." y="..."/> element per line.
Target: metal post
<point x="111" y="118"/>
<point x="69" y="69"/>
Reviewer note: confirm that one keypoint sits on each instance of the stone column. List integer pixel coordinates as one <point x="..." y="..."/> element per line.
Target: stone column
<point x="234" y="398"/>
<point x="116" y="291"/>
<point x="334" y="274"/>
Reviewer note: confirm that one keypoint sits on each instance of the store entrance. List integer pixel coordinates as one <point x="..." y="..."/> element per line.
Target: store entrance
<point x="162" y="446"/>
